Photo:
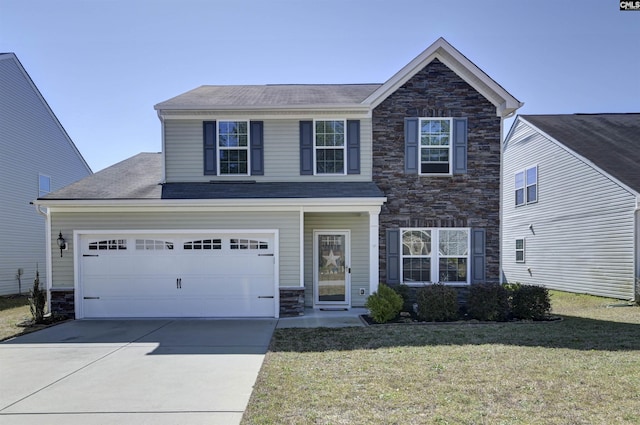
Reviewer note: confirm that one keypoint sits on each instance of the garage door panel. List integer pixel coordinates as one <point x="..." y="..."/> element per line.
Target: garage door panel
<point x="172" y="275"/>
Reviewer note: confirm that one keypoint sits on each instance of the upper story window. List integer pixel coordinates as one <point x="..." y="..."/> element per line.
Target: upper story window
<point x="329" y="146"/>
<point x="526" y="185"/>
<point x="435" y="255"/>
<point x="435" y="145"/>
<point x="44" y="185"/>
<point x="233" y="147"/>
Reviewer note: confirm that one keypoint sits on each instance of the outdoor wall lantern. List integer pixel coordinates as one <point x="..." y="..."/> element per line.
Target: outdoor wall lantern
<point x="62" y="244"/>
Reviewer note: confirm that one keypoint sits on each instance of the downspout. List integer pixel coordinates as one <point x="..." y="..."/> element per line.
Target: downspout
<point x="48" y="265"/>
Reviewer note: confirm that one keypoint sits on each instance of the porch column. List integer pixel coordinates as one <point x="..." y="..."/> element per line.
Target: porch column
<point x="374" y="262"/>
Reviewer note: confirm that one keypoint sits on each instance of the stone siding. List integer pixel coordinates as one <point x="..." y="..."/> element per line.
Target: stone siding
<point x="467" y="200"/>
<point x="63" y="303"/>
<point x="291" y="302"/>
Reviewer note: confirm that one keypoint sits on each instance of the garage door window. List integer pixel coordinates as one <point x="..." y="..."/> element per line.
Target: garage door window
<point x="248" y="244"/>
<point x="152" y="245"/>
<point x="108" y="245"/>
<point x="203" y="244"/>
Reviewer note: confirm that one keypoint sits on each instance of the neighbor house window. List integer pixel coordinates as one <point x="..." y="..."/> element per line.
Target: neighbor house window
<point x="233" y="147"/>
<point x="519" y="250"/>
<point x="330" y="146"/>
<point x="435" y="145"/>
<point x="435" y="255"/>
<point x="526" y="184"/>
<point x="44" y="185"/>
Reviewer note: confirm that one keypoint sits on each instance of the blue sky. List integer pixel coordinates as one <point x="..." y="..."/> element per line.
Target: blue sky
<point x="103" y="64"/>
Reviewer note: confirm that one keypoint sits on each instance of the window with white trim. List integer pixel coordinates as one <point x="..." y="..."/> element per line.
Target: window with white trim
<point x="520" y="249"/>
<point x="203" y="244"/>
<point x="152" y="245"/>
<point x="44" y="185"/>
<point x="108" y="245"/>
<point x="432" y="255"/>
<point x="233" y="147"/>
<point x="435" y="145"/>
<point x="329" y="146"/>
<point x="526" y="185"/>
<point x="251" y="244"/>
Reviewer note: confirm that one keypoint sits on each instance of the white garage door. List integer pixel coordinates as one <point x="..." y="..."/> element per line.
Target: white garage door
<point x="165" y="275"/>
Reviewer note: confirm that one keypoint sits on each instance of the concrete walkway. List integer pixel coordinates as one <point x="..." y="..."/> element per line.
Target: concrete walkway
<point x="316" y="318"/>
<point x="133" y="372"/>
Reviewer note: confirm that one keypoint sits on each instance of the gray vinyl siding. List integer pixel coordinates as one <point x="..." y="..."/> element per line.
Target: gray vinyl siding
<point x="286" y="222"/>
<point x="359" y="227"/>
<point x="184" y="153"/>
<point x="582" y="237"/>
<point x="32" y="142"/>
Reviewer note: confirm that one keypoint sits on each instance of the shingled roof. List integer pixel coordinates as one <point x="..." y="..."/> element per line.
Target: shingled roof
<point x="271" y="96"/>
<point x="610" y="141"/>
<point x="139" y="177"/>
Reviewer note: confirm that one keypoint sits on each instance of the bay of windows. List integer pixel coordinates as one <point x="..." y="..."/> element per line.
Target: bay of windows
<point x="435" y="255"/>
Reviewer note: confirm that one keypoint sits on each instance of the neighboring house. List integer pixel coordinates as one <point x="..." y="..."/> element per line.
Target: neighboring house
<point x="36" y="157"/>
<point x="267" y="199"/>
<point x="571" y="189"/>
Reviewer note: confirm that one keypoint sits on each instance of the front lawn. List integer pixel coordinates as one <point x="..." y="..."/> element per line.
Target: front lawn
<point x="584" y="369"/>
<point x="13" y="310"/>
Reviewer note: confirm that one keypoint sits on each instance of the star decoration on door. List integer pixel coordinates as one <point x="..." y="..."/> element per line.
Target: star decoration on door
<point x="331" y="259"/>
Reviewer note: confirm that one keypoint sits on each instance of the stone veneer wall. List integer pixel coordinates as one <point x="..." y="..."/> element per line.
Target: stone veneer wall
<point x="63" y="303"/>
<point x="291" y="302"/>
<point x="469" y="200"/>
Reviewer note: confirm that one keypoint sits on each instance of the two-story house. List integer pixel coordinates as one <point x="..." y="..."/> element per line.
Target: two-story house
<point x="266" y="199"/>
<point x="37" y="156"/>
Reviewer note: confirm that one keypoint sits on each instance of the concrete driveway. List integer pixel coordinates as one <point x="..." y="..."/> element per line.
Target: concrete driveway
<point x="133" y="372"/>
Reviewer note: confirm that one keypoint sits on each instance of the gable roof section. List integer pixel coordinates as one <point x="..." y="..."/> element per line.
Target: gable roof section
<point x="135" y="178"/>
<point x="12" y="57"/>
<point x="609" y="141"/>
<point x="138" y="178"/>
<point x="341" y="96"/>
<point x="504" y="102"/>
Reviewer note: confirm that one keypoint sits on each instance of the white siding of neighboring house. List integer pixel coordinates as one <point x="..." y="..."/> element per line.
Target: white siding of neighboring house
<point x="359" y="227"/>
<point x="183" y="147"/>
<point x="31" y="142"/>
<point x="286" y="222"/>
<point x="583" y="223"/>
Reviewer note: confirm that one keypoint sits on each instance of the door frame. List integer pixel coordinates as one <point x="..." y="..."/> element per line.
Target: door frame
<point x="347" y="237"/>
<point x="79" y="235"/>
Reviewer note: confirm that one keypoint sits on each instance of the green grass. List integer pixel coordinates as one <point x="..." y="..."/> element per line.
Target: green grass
<point x="13" y="310"/>
<point x="584" y="369"/>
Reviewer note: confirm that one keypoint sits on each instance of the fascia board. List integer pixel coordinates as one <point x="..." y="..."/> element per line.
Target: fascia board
<point x="352" y="204"/>
<point x="362" y="112"/>
<point x="504" y="102"/>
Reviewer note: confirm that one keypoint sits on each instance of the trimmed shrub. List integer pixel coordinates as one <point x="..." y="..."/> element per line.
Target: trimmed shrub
<point x="37" y="300"/>
<point x="438" y="303"/>
<point x="488" y="302"/>
<point x="530" y="302"/>
<point x="384" y="304"/>
<point x="405" y="292"/>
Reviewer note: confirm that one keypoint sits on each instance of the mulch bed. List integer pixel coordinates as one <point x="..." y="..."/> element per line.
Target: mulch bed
<point x="412" y="319"/>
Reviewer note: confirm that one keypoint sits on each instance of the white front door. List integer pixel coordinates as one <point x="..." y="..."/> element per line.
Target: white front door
<point x="332" y="267"/>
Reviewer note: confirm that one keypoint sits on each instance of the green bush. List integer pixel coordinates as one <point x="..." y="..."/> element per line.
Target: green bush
<point x="438" y="303"/>
<point x="488" y="302"/>
<point x="384" y="304"/>
<point x="530" y="302"/>
<point x="37" y="300"/>
<point x="405" y="292"/>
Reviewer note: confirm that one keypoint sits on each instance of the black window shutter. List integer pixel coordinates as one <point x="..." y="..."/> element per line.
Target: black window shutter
<point x="353" y="147"/>
<point x="393" y="256"/>
<point x="257" y="148"/>
<point x="306" y="148"/>
<point x="209" y="142"/>
<point x="459" y="146"/>
<point x="478" y="256"/>
<point x="411" y="146"/>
